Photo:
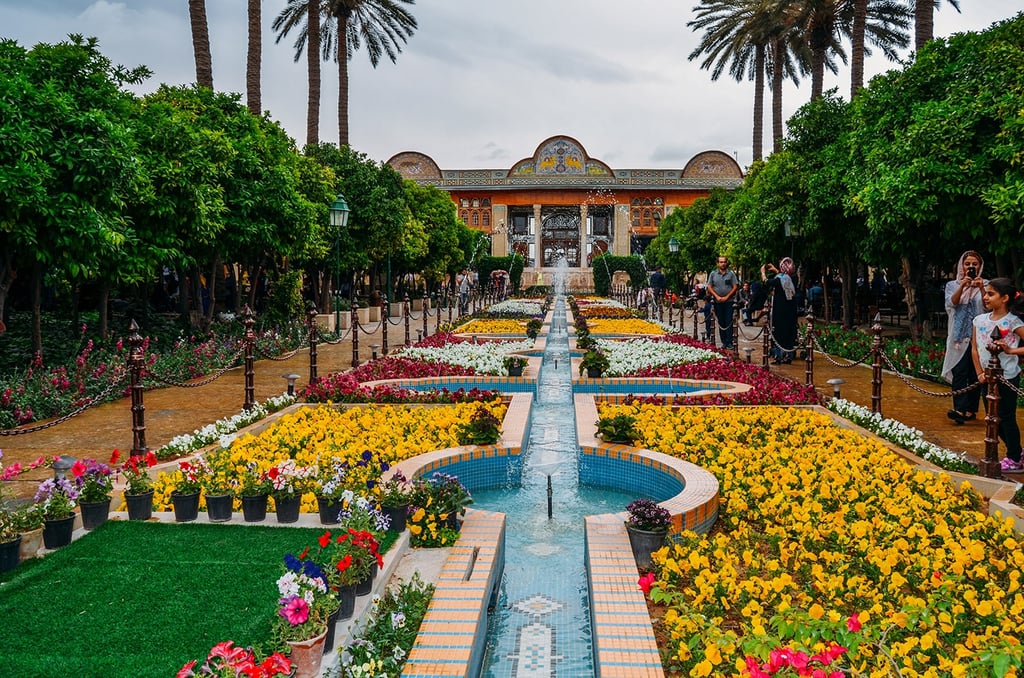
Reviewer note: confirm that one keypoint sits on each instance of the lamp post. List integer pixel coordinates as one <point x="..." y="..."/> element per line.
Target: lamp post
<point x="339" y="220"/>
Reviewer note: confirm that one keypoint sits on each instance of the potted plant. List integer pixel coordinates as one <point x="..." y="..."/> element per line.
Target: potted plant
<point x="226" y="660"/>
<point x="57" y="498"/>
<point x="254" y="487"/>
<point x="483" y="428"/>
<point x="304" y="609"/>
<point x="533" y="327"/>
<point x="647" y="525"/>
<point x="329" y="486"/>
<point x="16" y="521"/>
<point x="514" y="365"/>
<point x="618" y="429"/>
<point x="394" y="495"/>
<point x="187" y="482"/>
<point x="138" y="489"/>
<point x="219" y="486"/>
<point x="289" y="482"/>
<point x="28" y="521"/>
<point x="594" y="363"/>
<point x="95" y="483"/>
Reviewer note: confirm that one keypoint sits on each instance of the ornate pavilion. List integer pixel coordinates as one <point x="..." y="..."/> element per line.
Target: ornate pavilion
<point x="562" y="202"/>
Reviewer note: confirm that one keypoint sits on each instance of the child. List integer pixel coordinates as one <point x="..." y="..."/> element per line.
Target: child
<point x="1002" y="299"/>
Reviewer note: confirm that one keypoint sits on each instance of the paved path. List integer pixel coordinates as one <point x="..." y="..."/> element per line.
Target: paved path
<point x="172" y="411"/>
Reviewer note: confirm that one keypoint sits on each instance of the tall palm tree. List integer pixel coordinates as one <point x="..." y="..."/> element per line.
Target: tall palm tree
<point x="825" y="23"/>
<point x="924" y="13"/>
<point x="888" y="20"/>
<point x="739" y="36"/>
<point x="384" y="25"/>
<point x="253" y="59"/>
<point x="304" y="16"/>
<point x="201" y="42"/>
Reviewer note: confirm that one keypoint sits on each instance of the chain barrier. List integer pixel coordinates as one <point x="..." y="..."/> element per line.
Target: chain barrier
<point x="746" y="337"/>
<point x="915" y="387"/>
<point x="396" y="323"/>
<point x="1010" y="386"/>
<point x="284" y="356"/>
<point x="98" y="400"/>
<point x="375" y="329"/>
<point x="335" y="342"/>
<point x="821" y="351"/>
<point x="181" y="384"/>
<point x="776" y="344"/>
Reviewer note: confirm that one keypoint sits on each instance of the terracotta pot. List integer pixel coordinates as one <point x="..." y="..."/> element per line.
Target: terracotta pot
<point x="306" y="656"/>
<point x="31" y="542"/>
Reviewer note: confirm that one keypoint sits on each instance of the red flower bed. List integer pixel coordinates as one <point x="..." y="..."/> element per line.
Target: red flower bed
<point x="766" y="388"/>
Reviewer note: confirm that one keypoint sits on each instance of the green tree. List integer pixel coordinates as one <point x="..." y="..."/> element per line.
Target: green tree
<point x="434" y="211"/>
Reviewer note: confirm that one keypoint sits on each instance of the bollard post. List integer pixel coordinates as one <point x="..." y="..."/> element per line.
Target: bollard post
<point x="355" y="338"/>
<point x="437" y="317"/>
<point x="136" y="363"/>
<point x="449" y="308"/>
<point x="250" y="360"/>
<point x="385" y="319"/>
<point x="835" y="384"/>
<point x="671" y="308"/>
<point x="311" y="325"/>
<point x="694" y="322"/>
<point x="809" y="354"/>
<point x="735" y="332"/>
<point x="408" y="317"/>
<point x="876" y="365"/>
<point x="426" y="313"/>
<point x="989" y="466"/>
<point x="766" y="339"/>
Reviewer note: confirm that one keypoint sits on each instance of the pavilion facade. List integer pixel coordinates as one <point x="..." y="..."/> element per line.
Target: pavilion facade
<point x="560" y="202"/>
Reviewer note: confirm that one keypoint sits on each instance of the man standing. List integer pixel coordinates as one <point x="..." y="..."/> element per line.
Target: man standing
<point x="722" y="285"/>
<point x="658" y="284"/>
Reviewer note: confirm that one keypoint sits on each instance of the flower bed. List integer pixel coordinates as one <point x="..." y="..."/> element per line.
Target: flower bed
<point x="321" y="436"/>
<point x="822" y="536"/>
<point x="484" y="358"/>
<point x="493" y="326"/>
<point x="515" y="307"/>
<point x="765" y="388"/>
<point x="631" y="355"/>
<point x="623" y="326"/>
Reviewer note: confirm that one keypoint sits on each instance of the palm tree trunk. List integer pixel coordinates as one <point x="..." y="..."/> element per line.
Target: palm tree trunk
<point x="923" y="22"/>
<point x="779" y="53"/>
<point x="860" y="21"/>
<point x="342" y="79"/>
<point x="817" y="72"/>
<point x="759" y="64"/>
<point x="313" y="74"/>
<point x="201" y="42"/>
<point x="254" y="56"/>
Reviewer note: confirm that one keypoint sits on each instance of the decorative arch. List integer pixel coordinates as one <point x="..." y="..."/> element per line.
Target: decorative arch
<point x="712" y="165"/>
<point x="415" y="165"/>
<point x="560" y="156"/>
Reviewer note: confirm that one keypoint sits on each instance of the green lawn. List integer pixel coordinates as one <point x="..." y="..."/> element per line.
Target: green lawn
<point x="139" y="599"/>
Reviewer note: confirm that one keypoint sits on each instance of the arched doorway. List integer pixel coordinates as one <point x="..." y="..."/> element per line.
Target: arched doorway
<point x="560" y="236"/>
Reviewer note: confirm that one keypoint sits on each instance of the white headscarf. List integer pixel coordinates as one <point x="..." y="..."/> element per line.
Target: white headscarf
<point x="786" y="268"/>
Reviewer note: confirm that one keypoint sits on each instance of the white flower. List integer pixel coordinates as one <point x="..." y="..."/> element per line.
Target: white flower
<point x="633" y="355"/>
<point x="486" y="358"/>
<point x="397" y="620"/>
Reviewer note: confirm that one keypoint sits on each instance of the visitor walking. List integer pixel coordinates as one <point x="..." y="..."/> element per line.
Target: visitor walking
<point x="722" y="285"/>
<point x="1003" y="301"/>
<point x="963" y="304"/>
<point x="658" y="284"/>
<point x="462" y="281"/>
<point x="782" y="318"/>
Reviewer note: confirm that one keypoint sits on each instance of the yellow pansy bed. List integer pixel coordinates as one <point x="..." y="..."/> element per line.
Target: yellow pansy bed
<point x="495" y="326"/>
<point x="822" y="531"/>
<point x="602" y="311"/>
<point x="316" y="436"/>
<point x="622" y="326"/>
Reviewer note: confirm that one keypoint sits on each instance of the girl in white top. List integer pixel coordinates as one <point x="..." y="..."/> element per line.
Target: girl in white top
<point x="1002" y="299"/>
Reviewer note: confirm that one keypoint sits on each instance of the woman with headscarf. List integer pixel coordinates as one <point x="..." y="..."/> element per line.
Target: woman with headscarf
<point x="782" y="321"/>
<point x="963" y="303"/>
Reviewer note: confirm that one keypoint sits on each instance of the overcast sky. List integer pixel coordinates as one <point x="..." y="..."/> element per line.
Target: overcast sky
<point x="481" y="83"/>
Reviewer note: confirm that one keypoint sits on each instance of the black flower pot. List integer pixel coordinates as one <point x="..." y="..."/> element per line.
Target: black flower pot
<point x="644" y="543"/>
<point x="186" y="507"/>
<point x="366" y="586"/>
<point x="397" y="515"/>
<point x="10" y="554"/>
<point x="94" y="513"/>
<point x="219" y="507"/>
<point x="57" y="533"/>
<point x="140" y="506"/>
<point x="329" y="510"/>
<point x="347" y="596"/>
<point x="287" y="510"/>
<point x="515" y="371"/>
<point x="332" y="623"/>
<point x="254" y="508"/>
<point x="594" y="372"/>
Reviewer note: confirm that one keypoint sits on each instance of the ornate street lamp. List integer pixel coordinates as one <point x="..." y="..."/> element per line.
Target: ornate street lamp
<point x="339" y="220"/>
<point x="673" y="245"/>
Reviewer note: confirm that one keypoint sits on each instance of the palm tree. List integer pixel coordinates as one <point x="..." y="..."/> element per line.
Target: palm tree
<point x="253" y="58"/>
<point x="889" y="23"/>
<point x="304" y="16"/>
<point x="384" y="25"/>
<point x="924" y="27"/>
<point x="824" y="24"/>
<point x="201" y="42"/>
<point x="739" y="35"/>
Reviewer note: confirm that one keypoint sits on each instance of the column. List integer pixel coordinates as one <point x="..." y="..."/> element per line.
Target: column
<point x="538" y="241"/>
<point x="621" y="245"/>
<point x="583" y="235"/>
<point x="499" y="241"/>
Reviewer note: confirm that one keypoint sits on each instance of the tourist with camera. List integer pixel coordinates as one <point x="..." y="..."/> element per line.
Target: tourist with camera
<point x="963" y="303"/>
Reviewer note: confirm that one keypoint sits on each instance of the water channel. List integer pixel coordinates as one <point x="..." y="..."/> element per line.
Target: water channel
<point x="541" y="624"/>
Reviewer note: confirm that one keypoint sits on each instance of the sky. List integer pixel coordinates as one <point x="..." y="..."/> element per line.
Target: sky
<point x="480" y="83"/>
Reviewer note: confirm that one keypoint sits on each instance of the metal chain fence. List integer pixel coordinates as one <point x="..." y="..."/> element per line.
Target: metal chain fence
<point x="98" y="400"/>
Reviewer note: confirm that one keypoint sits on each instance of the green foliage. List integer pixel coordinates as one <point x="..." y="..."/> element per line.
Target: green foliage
<point x="533" y="327"/>
<point x="594" y="359"/>
<point x="483" y="428"/>
<point x="606" y="264"/>
<point x="618" y="429"/>
<point x="285" y="303"/>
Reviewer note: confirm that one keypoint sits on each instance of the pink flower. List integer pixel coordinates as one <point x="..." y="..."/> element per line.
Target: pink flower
<point x="853" y="623"/>
<point x="646" y="581"/>
<point x="295" y="610"/>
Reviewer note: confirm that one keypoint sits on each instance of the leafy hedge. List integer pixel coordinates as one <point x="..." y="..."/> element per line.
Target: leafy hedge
<point x="606" y="264"/>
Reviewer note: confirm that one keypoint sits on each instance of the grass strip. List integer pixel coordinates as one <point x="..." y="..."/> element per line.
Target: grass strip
<point x="142" y="598"/>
